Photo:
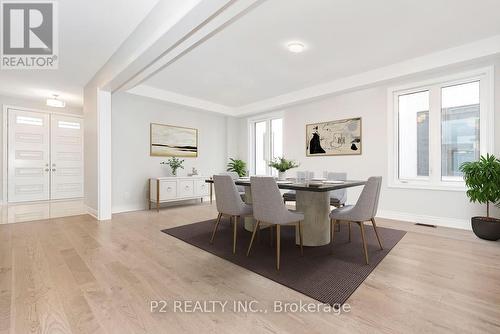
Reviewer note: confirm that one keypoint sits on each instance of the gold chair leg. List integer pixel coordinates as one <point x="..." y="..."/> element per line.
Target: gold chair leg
<point x="215" y="228"/>
<point x="349" y="223"/>
<point x="300" y="239"/>
<point x="258" y="236"/>
<point x="271" y="237"/>
<point x="255" y="228"/>
<point x="278" y="237"/>
<point x="235" y="229"/>
<point x="332" y="228"/>
<point x="376" y="233"/>
<point x="362" y="227"/>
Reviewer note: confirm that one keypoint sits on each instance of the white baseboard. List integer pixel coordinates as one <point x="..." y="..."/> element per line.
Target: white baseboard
<point x="129" y="208"/>
<point x="140" y="207"/>
<point x="424" y="219"/>
<point x="91" y="211"/>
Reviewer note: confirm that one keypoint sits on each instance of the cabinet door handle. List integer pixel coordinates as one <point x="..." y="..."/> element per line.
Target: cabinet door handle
<point x="47" y="169"/>
<point x="53" y="169"/>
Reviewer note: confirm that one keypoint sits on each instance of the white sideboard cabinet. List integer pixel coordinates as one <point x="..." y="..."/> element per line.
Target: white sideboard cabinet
<point x="177" y="188"/>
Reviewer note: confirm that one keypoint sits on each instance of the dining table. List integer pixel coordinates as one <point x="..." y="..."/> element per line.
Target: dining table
<point x="312" y="199"/>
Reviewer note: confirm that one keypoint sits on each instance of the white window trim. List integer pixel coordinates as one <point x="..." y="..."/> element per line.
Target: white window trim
<point x="487" y="98"/>
<point x="251" y="134"/>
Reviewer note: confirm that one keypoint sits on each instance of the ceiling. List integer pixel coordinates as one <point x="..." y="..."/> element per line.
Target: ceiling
<point x="89" y="33"/>
<point x="248" y="62"/>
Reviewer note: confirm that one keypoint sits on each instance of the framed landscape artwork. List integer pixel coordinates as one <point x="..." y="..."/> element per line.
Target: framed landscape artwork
<point x="173" y="141"/>
<point x="342" y="137"/>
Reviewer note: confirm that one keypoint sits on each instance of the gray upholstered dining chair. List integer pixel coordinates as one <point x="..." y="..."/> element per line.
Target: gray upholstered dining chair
<point x="364" y="210"/>
<point x="235" y="176"/>
<point x="269" y="209"/>
<point x="229" y="203"/>
<point x="337" y="197"/>
<point x="291" y="196"/>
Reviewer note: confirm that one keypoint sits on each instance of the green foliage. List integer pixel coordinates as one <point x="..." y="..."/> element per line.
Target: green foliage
<point x="174" y="163"/>
<point x="238" y="166"/>
<point x="482" y="179"/>
<point x="282" y="165"/>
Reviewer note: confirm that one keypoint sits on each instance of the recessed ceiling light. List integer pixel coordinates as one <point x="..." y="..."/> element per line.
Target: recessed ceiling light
<point x="296" y="47"/>
<point x="54" y="102"/>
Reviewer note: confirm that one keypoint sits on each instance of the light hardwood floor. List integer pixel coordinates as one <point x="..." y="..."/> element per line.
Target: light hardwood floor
<point x="76" y="275"/>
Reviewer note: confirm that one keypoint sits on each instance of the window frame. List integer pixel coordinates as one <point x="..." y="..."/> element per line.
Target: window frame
<point x="485" y="76"/>
<point x="251" y="135"/>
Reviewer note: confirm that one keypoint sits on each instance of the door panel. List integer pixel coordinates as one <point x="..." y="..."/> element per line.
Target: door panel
<point x="168" y="190"/>
<point x="28" y="156"/>
<point x="185" y="188"/>
<point x="66" y="157"/>
<point x="201" y="188"/>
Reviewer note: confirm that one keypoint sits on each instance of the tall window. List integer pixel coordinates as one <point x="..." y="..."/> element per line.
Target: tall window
<point x="414" y="139"/>
<point x="266" y="144"/>
<point x="437" y="127"/>
<point x="460" y="113"/>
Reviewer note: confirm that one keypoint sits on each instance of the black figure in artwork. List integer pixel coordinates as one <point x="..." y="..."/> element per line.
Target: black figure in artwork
<point x="315" y="143"/>
<point x="355" y="144"/>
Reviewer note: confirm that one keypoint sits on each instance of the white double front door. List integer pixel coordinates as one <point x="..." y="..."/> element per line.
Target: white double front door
<point x="45" y="156"/>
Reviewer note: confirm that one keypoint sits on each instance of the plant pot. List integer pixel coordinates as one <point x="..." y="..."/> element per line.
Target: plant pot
<point x="282" y="176"/>
<point x="486" y="228"/>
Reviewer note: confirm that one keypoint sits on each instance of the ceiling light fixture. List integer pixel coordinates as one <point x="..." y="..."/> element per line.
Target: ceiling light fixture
<point x="54" y="102"/>
<point x="296" y="47"/>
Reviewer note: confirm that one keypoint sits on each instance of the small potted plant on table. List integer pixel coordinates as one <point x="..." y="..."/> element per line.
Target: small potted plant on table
<point x="174" y="164"/>
<point x="238" y="166"/>
<point x="482" y="179"/>
<point x="282" y="165"/>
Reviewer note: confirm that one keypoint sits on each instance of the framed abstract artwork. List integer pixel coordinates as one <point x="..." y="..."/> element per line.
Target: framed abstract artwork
<point x="342" y="137"/>
<point x="173" y="141"/>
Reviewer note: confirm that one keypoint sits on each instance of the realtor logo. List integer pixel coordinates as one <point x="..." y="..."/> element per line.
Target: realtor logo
<point x="29" y="35"/>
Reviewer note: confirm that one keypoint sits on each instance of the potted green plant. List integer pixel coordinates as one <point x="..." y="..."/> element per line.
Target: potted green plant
<point x="282" y="165"/>
<point x="482" y="179"/>
<point x="174" y="164"/>
<point x="238" y="166"/>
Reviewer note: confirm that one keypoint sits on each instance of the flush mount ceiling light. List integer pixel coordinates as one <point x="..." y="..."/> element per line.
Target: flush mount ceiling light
<point x="296" y="47"/>
<point x="54" y="102"/>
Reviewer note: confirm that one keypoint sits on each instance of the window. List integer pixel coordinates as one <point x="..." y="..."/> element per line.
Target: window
<point x="414" y="140"/>
<point x="266" y="144"/>
<point x="436" y="127"/>
<point x="68" y="125"/>
<point x="29" y="120"/>
<point x="460" y="113"/>
<point x="260" y="158"/>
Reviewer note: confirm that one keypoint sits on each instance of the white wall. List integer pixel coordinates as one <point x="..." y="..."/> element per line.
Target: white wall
<point x="29" y="104"/>
<point x="132" y="165"/>
<point x="439" y="207"/>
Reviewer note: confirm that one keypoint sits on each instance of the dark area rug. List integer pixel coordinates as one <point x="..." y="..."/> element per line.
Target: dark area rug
<point x="329" y="274"/>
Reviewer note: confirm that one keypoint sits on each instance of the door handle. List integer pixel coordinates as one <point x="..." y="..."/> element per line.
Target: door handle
<point x="53" y="169"/>
<point x="47" y="169"/>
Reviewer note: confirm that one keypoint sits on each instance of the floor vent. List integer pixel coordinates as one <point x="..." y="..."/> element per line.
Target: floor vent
<point x="426" y="225"/>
